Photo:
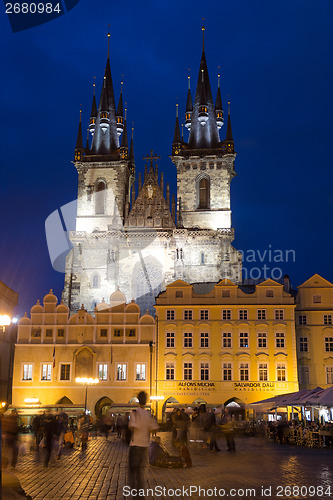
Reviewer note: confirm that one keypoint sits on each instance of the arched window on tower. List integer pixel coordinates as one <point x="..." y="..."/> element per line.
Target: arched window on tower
<point x="204" y="193"/>
<point x="100" y="198"/>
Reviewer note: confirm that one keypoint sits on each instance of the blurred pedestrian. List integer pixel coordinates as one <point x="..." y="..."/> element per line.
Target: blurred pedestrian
<point x="10" y="429"/>
<point x="49" y="426"/>
<point x="61" y="426"/>
<point x="141" y="424"/>
<point x="227" y="425"/>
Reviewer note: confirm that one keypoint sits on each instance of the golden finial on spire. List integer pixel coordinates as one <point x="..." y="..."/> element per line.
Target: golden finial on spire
<point x="125" y="110"/>
<point x="228" y="104"/>
<point x="177" y="109"/>
<point x="109" y="34"/>
<point x="94" y="85"/>
<point x="203" y="36"/>
<point x="218" y="76"/>
<point x="80" y="112"/>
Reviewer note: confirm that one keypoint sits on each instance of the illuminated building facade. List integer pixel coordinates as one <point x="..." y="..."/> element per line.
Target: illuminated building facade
<point x="231" y="344"/>
<point x="54" y="348"/>
<point x="127" y="236"/>
<point x="314" y="331"/>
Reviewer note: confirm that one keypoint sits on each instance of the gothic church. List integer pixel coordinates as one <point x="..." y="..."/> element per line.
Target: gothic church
<point x="129" y="234"/>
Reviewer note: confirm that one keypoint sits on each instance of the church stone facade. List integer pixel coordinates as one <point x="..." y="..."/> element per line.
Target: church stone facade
<point x="130" y="235"/>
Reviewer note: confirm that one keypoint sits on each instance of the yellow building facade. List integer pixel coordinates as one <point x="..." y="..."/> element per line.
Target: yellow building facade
<point x="116" y="346"/>
<point x="233" y="344"/>
<point x="314" y="331"/>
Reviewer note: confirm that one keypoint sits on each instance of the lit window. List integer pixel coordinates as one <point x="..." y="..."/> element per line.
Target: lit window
<point x="244" y="339"/>
<point x="227" y="372"/>
<point x="46" y="371"/>
<point x="262" y="340"/>
<point x="27" y="371"/>
<point x="65" y="371"/>
<point x="329" y="344"/>
<point x="279" y="314"/>
<point x="261" y="314"/>
<point x="204" y="314"/>
<point x="118" y="333"/>
<point x="244" y="371"/>
<point x="49" y="332"/>
<point x="279" y="340"/>
<point x="170" y="339"/>
<point x="327" y="319"/>
<point x="281" y="373"/>
<point x="61" y="332"/>
<point x="226" y="314"/>
<point x="104" y="332"/>
<point x="188" y="371"/>
<point x="204" y="371"/>
<point x="188" y="314"/>
<point x="303" y="344"/>
<point x="188" y="339"/>
<point x="170" y="371"/>
<point x="170" y="314"/>
<point x="263" y="371"/>
<point x="302" y="319"/>
<point x="140" y="371"/>
<point x="243" y="314"/>
<point x="121" y="371"/>
<point x="226" y="339"/>
<point x="35" y="332"/>
<point x="102" y="371"/>
<point x="204" y="339"/>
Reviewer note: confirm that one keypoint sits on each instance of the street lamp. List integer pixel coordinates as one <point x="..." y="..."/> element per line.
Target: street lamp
<point x="86" y="381"/>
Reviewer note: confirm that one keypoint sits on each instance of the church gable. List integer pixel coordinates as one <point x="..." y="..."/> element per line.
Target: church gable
<point x="150" y="208"/>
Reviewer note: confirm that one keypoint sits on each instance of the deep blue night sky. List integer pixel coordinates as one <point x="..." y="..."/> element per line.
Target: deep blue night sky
<point x="276" y="63"/>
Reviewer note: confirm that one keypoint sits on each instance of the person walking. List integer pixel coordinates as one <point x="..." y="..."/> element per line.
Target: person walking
<point x="49" y="430"/>
<point x="141" y="424"/>
<point x="228" y="429"/>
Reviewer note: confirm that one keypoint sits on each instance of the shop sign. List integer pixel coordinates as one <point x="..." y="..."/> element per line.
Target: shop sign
<point x="196" y="386"/>
<point x="254" y="385"/>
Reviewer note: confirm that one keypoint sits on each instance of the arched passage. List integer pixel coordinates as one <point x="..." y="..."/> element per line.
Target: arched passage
<point x="64" y="401"/>
<point x="236" y="407"/>
<point x="102" y="406"/>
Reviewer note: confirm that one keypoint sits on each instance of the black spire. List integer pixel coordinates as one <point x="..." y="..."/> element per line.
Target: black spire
<point x="204" y="133"/>
<point x="105" y="140"/>
<point x="124" y="140"/>
<point x="176" y="136"/>
<point x="218" y="106"/>
<point x="79" y="150"/>
<point x="229" y="141"/>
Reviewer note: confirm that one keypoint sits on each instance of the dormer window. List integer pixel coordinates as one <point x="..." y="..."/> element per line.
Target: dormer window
<point x="317" y="299"/>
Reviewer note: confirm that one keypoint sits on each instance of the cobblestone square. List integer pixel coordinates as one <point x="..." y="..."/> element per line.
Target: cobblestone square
<point x="258" y="469"/>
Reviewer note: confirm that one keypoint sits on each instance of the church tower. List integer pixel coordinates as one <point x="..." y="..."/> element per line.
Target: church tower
<point x="126" y="236"/>
<point x="205" y="169"/>
<point x="106" y="172"/>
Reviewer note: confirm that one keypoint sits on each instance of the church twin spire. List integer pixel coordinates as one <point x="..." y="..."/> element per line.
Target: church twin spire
<point x="106" y="124"/>
<point x="203" y="119"/>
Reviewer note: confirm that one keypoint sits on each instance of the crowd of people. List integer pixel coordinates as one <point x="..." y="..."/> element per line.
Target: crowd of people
<point x="300" y="433"/>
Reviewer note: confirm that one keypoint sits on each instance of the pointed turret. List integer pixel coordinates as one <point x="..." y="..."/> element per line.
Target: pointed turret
<point x="106" y="139"/>
<point x="79" y="149"/>
<point x="93" y="114"/>
<point x="104" y="109"/>
<point x="124" y="140"/>
<point x="229" y="141"/>
<point x="131" y="156"/>
<point x="189" y="106"/>
<point x="204" y="131"/>
<point x="120" y="116"/>
<point x="176" y="145"/>
<point x="87" y="143"/>
<point x="218" y="105"/>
